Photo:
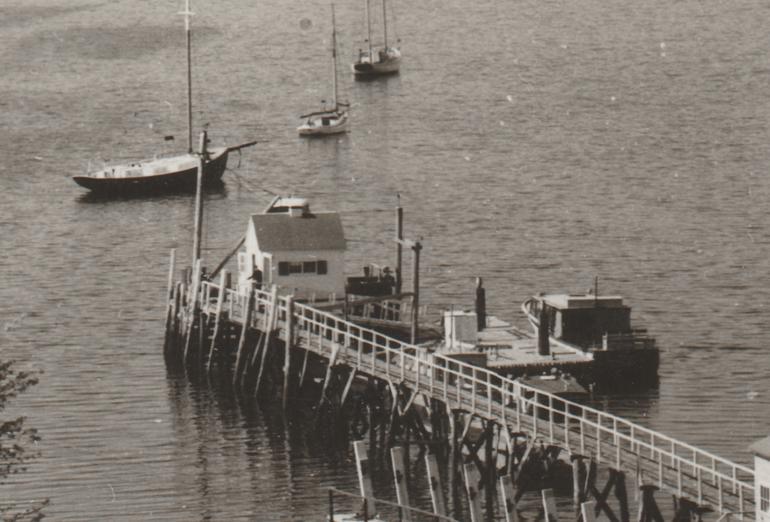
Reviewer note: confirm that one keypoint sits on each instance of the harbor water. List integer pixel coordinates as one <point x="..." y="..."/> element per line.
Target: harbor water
<point x="536" y="144"/>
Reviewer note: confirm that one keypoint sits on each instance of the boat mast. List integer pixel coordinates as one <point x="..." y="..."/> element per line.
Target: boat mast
<point x="334" y="58"/>
<point x="385" y="24"/>
<point x="187" y="13"/>
<point x="369" y="31"/>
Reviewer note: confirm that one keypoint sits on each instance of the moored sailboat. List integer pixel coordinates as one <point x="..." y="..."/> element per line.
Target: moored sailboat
<point x="176" y="172"/>
<point x="377" y="61"/>
<point x="327" y="121"/>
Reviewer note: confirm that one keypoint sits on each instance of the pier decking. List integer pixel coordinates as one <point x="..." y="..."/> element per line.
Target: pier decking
<point x="655" y="459"/>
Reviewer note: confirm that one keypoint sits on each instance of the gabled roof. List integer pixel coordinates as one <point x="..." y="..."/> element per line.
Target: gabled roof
<point x="282" y="232"/>
<point x="761" y="448"/>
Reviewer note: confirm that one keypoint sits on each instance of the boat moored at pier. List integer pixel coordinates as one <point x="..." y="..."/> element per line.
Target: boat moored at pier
<point x="600" y="327"/>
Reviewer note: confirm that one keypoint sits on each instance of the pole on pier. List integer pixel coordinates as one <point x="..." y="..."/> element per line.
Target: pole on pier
<point x="434" y="482"/>
<point x="397" y="457"/>
<point x="199" y="198"/>
<point x="287" y="348"/>
<point x="549" y="505"/>
<point x="416" y="291"/>
<point x="364" y="477"/>
<point x="472" y="479"/>
<point x="508" y="498"/>
<point x="399" y="247"/>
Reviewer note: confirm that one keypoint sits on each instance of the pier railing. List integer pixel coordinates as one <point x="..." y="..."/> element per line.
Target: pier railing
<point x="676" y="466"/>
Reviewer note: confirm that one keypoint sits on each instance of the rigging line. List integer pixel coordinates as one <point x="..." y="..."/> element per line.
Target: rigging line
<point x="251" y="187"/>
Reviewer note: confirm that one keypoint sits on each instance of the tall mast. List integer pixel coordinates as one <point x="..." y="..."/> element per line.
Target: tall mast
<point x="187" y="13"/>
<point x="369" y="31"/>
<point x="334" y="57"/>
<point x="385" y="24"/>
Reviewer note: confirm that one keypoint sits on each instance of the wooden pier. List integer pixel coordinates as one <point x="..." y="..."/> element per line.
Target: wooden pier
<point x="208" y="322"/>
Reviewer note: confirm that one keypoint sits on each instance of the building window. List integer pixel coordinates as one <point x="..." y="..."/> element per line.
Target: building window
<point x="764" y="498"/>
<point x="302" y="267"/>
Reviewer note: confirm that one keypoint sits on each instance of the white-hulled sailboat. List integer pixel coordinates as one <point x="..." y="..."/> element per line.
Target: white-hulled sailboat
<point x="327" y="121"/>
<point x="380" y="60"/>
<point x="167" y="173"/>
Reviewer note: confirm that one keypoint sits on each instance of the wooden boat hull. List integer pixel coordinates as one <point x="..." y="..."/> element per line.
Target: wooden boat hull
<point x="183" y="180"/>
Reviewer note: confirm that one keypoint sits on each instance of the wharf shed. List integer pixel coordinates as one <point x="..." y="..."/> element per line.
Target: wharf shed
<point x="301" y="252"/>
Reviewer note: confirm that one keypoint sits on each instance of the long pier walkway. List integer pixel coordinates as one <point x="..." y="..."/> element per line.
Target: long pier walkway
<point x="676" y="467"/>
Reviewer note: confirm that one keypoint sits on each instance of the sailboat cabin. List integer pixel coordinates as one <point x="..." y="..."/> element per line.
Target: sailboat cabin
<point x="301" y="252"/>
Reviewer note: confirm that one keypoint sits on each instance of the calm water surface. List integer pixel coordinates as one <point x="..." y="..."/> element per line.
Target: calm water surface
<point x="536" y="144"/>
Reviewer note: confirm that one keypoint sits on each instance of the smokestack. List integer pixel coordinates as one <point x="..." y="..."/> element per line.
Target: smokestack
<point x="481" y="305"/>
<point x="543" y="343"/>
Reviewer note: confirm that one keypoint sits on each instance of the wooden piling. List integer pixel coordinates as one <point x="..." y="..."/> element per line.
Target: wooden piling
<point x="217" y="319"/>
<point x="269" y="327"/>
<point x="648" y="508"/>
<point x="244" y="334"/>
<point x="171" y="269"/>
<point x="364" y="477"/>
<point x="621" y="495"/>
<point x="508" y="498"/>
<point x="416" y="293"/>
<point x="472" y="479"/>
<point x="434" y="483"/>
<point x="578" y="478"/>
<point x="490" y="478"/>
<point x="588" y="511"/>
<point x="287" y="349"/>
<point x="398" y="457"/>
<point x="549" y="505"/>
<point x="170" y="314"/>
<point x="192" y="312"/>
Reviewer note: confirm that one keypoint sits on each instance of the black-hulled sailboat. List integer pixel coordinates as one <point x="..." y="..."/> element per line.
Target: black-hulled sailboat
<point x="164" y="173"/>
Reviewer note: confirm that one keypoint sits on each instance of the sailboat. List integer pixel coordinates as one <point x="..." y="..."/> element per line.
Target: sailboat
<point x="380" y="60"/>
<point x="334" y="120"/>
<point x="164" y="173"/>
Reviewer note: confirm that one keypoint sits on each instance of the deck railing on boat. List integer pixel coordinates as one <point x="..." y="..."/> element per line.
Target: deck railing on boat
<point x="674" y="465"/>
